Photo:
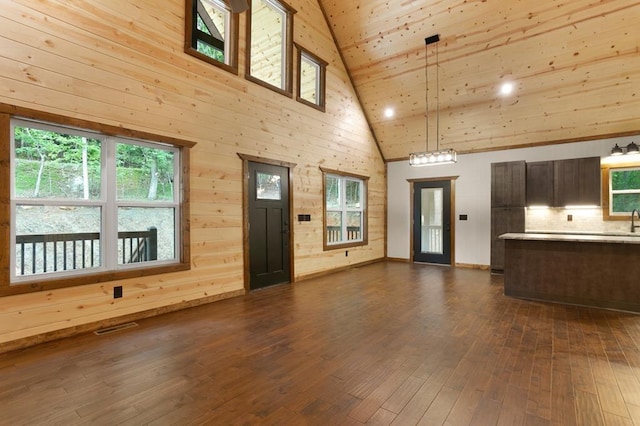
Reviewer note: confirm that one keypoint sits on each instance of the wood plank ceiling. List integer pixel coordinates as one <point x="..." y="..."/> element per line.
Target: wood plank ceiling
<point x="575" y="66"/>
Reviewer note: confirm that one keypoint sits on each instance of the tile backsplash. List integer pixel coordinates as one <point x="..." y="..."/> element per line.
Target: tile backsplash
<point x="582" y="220"/>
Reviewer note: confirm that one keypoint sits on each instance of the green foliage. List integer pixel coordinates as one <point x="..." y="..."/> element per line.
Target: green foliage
<point x="210" y="51"/>
<point x="625" y="180"/>
<point x="50" y="165"/>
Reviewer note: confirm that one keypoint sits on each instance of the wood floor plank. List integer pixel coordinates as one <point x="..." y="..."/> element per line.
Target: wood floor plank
<point x="389" y="343"/>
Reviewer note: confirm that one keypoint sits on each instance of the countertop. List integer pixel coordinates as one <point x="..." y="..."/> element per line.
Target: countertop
<point x="577" y="237"/>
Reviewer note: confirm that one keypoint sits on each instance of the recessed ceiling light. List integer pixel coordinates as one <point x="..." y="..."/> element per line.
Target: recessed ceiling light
<point x="389" y="112"/>
<point x="507" y="88"/>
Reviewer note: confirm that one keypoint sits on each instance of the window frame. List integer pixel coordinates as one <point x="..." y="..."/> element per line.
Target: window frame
<point x="321" y="80"/>
<point x="193" y="35"/>
<point x="183" y="255"/>
<point x="607" y="195"/>
<point x="343" y="176"/>
<point x="287" y="62"/>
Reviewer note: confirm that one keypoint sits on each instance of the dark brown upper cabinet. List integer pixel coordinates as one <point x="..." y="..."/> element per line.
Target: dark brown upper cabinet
<point x="540" y="183"/>
<point x="508" y="184"/>
<point x="577" y="182"/>
<point x="561" y="183"/>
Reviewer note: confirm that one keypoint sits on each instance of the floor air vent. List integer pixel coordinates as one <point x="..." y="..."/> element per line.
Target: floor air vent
<point x="115" y="328"/>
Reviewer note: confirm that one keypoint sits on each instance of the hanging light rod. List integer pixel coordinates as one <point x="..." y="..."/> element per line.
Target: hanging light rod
<point x="429" y="158"/>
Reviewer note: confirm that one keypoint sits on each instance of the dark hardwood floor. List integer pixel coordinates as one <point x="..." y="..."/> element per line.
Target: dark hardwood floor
<point x="389" y="343"/>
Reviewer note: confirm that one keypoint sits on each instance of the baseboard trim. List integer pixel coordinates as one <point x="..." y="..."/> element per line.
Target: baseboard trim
<point x="26" y="342"/>
<point x="472" y="266"/>
<point x="332" y="271"/>
<point x="398" y="259"/>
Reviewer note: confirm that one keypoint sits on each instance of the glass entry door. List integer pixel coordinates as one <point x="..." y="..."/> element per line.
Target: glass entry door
<point x="432" y="222"/>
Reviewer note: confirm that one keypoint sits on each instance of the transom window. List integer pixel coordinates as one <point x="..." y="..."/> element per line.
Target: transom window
<point x="311" y="79"/>
<point x="212" y="33"/>
<point x="624" y="191"/>
<point x="270" y="36"/>
<point x="345" y="215"/>
<point x="84" y="203"/>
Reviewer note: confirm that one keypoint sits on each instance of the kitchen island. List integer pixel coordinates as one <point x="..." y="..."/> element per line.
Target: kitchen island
<point x="600" y="270"/>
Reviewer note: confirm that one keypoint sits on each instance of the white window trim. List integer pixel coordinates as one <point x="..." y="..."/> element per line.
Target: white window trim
<point x="613" y="192"/>
<point x="344" y="209"/>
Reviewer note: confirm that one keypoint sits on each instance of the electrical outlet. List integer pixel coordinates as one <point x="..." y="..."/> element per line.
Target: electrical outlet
<point x="117" y="292"/>
<point x="569" y="217"/>
<point x="346" y="253"/>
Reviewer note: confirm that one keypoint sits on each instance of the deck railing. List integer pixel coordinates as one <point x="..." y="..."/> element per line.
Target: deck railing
<point x="41" y="253"/>
<point x="334" y="233"/>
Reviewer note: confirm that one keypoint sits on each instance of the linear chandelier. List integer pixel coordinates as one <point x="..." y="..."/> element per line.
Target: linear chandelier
<point x="430" y="158"/>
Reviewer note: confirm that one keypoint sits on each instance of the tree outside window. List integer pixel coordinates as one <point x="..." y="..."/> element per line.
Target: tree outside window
<point x="84" y="202"/>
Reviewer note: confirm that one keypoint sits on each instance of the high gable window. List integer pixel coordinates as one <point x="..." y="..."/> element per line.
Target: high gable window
<point x="212" y="33"/>
<point x="311" y="79"/>
<point x="270" y="45"/>
<point x="345" y="212"/>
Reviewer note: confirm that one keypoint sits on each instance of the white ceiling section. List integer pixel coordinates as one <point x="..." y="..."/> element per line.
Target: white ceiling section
<point x="575" y="67"/>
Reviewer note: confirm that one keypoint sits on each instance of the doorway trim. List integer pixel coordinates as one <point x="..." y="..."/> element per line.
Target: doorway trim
<point x="452" y="200"/>
<point x="245" y="213"/>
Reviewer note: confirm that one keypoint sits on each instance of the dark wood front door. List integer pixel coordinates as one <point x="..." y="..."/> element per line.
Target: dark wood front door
<point x="432" y="222"/>
<point x="269" y="256"/>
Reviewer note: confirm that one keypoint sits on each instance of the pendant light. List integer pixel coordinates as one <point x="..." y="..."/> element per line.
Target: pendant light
<point x="429" y="158"/>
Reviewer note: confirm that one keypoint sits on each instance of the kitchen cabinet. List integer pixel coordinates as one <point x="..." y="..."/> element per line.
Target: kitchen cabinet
<point x="508" y="197"/>
<point x="563" y="183"/>
<point x="540" y="183"/>
<point x="508" y="184"/>
<point x="577" y="182"/>
<point x="546" y="267"/>
<point x="503" y="220"/>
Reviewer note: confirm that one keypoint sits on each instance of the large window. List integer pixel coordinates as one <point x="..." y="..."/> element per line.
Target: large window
<point x="86" y="203"/>
<point x="270" y="45"/>
<point x="311" y="79"/>
<point x="345" y="215"/>
<point x="212" y="33"/>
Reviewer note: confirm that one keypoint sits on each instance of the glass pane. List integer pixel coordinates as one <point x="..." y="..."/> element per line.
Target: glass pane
<point x="309" y="79"/>
<point x="145" y="234"/>
<point x="354" y="226"/>
<point x="353" y="194"/>
<point x="268" y="48"/>
<point x="431" y="220"/>
<point x="334" y="227"/>
<point x="214" y="22"/>
<point x="332" y="188"/>
<point x="144" y="174"/>
<point x="268" y="186"/>
<point x="625" y="203"/>
<point x="625" y="179"/>
<point x="210" y="51"/>
<point x="52" y="165"/>
<point x="56" y="238"/>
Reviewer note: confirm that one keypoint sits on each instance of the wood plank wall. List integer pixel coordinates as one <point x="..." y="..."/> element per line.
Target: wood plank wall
<point x="122" y="63"/>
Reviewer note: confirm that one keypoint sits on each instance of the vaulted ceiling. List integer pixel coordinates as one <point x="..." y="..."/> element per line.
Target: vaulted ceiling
<point x="575" y="66"/>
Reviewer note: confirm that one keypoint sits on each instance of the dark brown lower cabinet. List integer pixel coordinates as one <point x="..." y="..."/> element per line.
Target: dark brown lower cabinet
<point x="503" y="220"/>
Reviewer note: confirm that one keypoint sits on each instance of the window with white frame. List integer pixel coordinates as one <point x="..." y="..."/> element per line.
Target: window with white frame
<point x="84" y="202"/>
<point x="345" y="215"/>
<point x="270" y="44"/>
<point x="311" y="79"/>
<point x="212" y="33"/>
<point x="624" y="190"/>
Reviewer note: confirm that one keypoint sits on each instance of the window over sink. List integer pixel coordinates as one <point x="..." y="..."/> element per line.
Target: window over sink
<point x="620" y="190"/>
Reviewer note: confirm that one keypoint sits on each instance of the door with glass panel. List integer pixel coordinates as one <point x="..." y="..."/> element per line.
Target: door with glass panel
<point x="269" y="256"/>
<point x="432" y="222"/>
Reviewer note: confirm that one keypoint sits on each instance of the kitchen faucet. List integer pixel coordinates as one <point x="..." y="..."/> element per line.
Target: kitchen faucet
<point x="633" y="225"/>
